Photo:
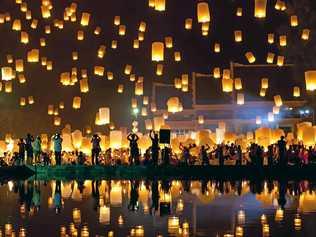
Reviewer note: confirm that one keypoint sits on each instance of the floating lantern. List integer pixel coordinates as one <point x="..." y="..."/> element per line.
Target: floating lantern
<point x="122" y="30"/>
<point x="227" y="85"/>
<point x="85" y="17"/>
<point x="148" y="124"/>
<point x="238" y="84"/>
<point x="271" y="38"/>
<point x="136" y="44"/>
<point x="145" y="100"/>
<point x="76" y="103"/>
<point x="144" y="112"/>
<point x="84" y="86"/>
<point x="24" y="37"/>
<point x="33" y="56"/>
<point x="80" y="35"/>
<point x="157" y="50"/>
<point x="97" y="30"/>
<point x="188" y="24"/>
<point x="173" y="104"/>
<point x="158" y="123"/>
<point x="21" y="78"/>
<point x="217" y="47"/>
<point x="185" y="79"/>
<point x="7" y="73"/>
<point x="296" y="91"/>
<point x="50" y="110"/>
<point x="117" y="20"/>
<point x="104" y="115"/>
<point x="42" y="42"/>
<point x="238" y="35"/>
<point x="30" y="100"/>
<point x="120" y="88"/>
<point x="217" y="72"/>
<point x="310" y="80"/>
<point x="110" y="75"/>
<point x="16" y="25"/>
<point x="57" y="121"/>
<point x="47" y="29"/>
<point x="99" y="71"/>
<point x="240" y="98"/>
<point x="280" y="61"/>
<point x="239" y="11"/>
<point x="22" y="101"/>
<point x="250" y="57"/>
<point x="264" y="83"/>
<point x="128" y="69"/>
<point x="142" y="26"/>
<point x="168" y="42"/>
<point x="114" y="44"/>
<point x="159" y="69"/>
<point x="45" y="12"/>
<point x="139" y="88"/>
<point x="8" y="86"/>
<point x="49" y="66"/>
<point x="134" y="103"/>
<point x="270" y="117"/>
<point x="75" y="55"/>
<point x="282" y="40"/>
<point x="141" y="36"/>
<point x="270" y="57"/>
<point x="177" y="83"/>
<point x="260" y="8"/>
<point x="61" y="105"/>
<point x="305" y="34"/>
<point x="101" y="51"/>
<point x="177" y="56"/>
<point x="9" y="58"/>
<point x="160" y="5"/>
<point x="278" y="100"/>
<point x="200" y="119"/>
<point x="34" y="24"/>
<point x="294" y="21"/>
<point x="258" y="120"/>
<point x="262" y="92"/>
<point x="153" y="107"/>
<point x="203" y="12"/>
<point x="116" y="139"/>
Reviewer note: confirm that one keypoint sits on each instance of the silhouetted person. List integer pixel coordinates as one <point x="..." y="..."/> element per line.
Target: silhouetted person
<point x="29" y="148"/>
<point x="239" y="156"/>
<point x="96" y="149"/>
<point x="282" y="151"/>
<point x="57" y="147"/>
<point x="133" y="203"/>
<point x="203" y="154"/>
<point x="154" y="196"/>
<point x="270" y="155"/>
<point x="282" y="193"/>
<point x="46" y="158"/>
<point x="57" y="197"/>
<point x="186" y="153"/>
<point x="219" y="155"/>
<point x="154" y="147"/>
<point x="96" y="194"/>
<point x="133" y="138"/>
<point x="81" y="158"/>
<point x="21" y="146"/>
<point x="165" y="154"/>
<point x="37" y="149"/>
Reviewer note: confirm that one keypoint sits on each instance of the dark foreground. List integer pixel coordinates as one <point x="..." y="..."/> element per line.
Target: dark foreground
<point x="161" y="172"/>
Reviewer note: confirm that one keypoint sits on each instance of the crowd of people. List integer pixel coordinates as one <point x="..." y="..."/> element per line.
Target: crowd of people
<point x="30" y="152"/>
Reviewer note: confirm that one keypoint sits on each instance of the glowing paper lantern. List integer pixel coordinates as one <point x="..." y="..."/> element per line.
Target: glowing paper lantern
<point x="238" y="84"/>
<point x="271" y="38"/>
<point x="136" y="44"/>
<point x="45" y="12"/>
<point x="122" y="30"/>
<point x="148" y="124"/>
<point x="120" y="88"/>
<point x="260" y="8"/>
<point x="16" y="25"/>
<point x="188" y="24"/>
<point x="104" y="217"/>
<point x="159" y="69"/>
<point x="310" y="80"/>
<point x="258" y="120"/>
<point x="22" y="101"/>
<point x="282" y="40"/>
<point x="270" y="57"/>
<point x="7" y="73"/>
<point x="30" y="100"/>
<point x="173" y="104"/>
<point x="226" y="74"/>
<point x="168" y="42"/>
<point x="160" y="5"/>
<point x="177" y="56"/>
<point x="116" y="139"/>
<point x="227" y="85"/>
<point x="278" y="100"/>
<point x="101" y="51"/>
<point x="238" y="35"/>
<point x="153" y="107"/>
<point x="142" y="26"/>
<point x="200" y="119"/>
<point x="24" y="37"/>
<point x="57" y="121"/>
<point x="117" y="20"/>
<point x="33" y="56"/>
<point x="77" y="139"/>
<point x="99" y="71"/>
<point x="84" y="86"/>
<point x="158" y="123"/>
<point x="128" y="69"/>
<point x="80" y="35"/>
<point x="250" y="57"/>
<point x="240" y="98"/>
<point x="145" y="100"/>
<point x="294" y="21"/>
<point x="203" y="12"/>
<point x="305" y="34"/>
<point x="8" y="86"/>
<point x="85" y="17"/>
<point x="177" y="83"/>
<point x="139" y="88"/>
<point x="217" y="72"/>
<point x="239" y="11"/>
<point x="157" y="51"/>
<point x="76" y="103"/>
<point x="296" y="91"/>
<point x="104" y="115"/>
<point x="280" y="61"/>
<point x="217" y="47"/>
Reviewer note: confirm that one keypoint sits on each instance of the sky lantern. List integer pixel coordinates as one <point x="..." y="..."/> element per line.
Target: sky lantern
<point x="117" y="20"/>
<point x="49" y="65"/>
<point x="296" y="91"/>
<point x="217" y="47"/>
<point x="136" y="44"/>
<point x="45" y="12"/>
<point x="116" y="138"/>
<point x="16" y="25"/>
<point x="200" y="119"/>
<point x="278" y="100"/>
<point x="142" y="26"/>
<point x="128" y="69"/>
<point x="80" y="35"/>
<point x="144" y="112"/>
<point x="240" y="99"/>
<point x="101" y="51"/>
<point x="188" y="24"/>
<point x="159" y="69"/>
<point x="239" y="11"/>
<point x="77" y="139"/>
<point x="168" y="42"/>
<point x="250" y="57"/>
<point x="148" y="124"/>
<point x="270" y="58"/>
<point x="50" y="110"/>
<point x="185" y="79"/>
<point x="110" y="75"/>
<point x="238" y="84"/>
<point x="33" y="56"/>
<point x="141" y="36"/>
<point x="216" y="72"/>
<point x="134" y="103"/>
<point x="57" y="121"/>
<point x="294" y="21"/>
<point x="282" y="40"/>
<point x="47" y="29"/>
<point x="158" y="123"/>
<point x="85" y="18"/>
<point x="34" y="23"/>
<point x="238" y="35"/>
<point x="8" y="86"/>
<point x="173" y="104"/>
<point x="99" y="71"/>
<point x="275" y="109"/>
<point x="185" y="88"/>
<point x="2" y="18"/>
<point x="19" y="66"/>
<point x="310" y="80"/>
<point x="264" y="83"/>
<point x="84" y="86"/>
<point x="42" y="42"/>
<point x="76" y="103"/>
<point x="22" y="101"/>
<point x="120" y="88"/>
<point x="227" y="85"/>
<point x="24" y="37"/>
<point x="177" y="56"/>
<point x="151" y="3"/>
<point x="305" y="34"/>
<point x="61" y="105"/>
<point x="75" y="55"/>
<point x="160" y="5"/>
<point x="9" y="58"/>
<point x="157" y="51"/>
<point x="73" y="17"/>
<point x="139" y="88"/>
<point x="114" y="44"/>
<point x="260" y="8"/>
<point x="6" y="73"/>
<point x="177" y="83"/>
<point x="97" y="30"/>
<point x="43" y="61"/>
<point x="122" y="30"/>
<point x="270" y="38"/>
<point x="263" y="92"/>
<point x="153" y="107"/>
<point x="203" y="12"/>
<point x="258" y="120"/>
<point x="21" y="78"/>
<point x="270" y="117"/>
<point x="280" y="61"/>
<point x="28" y="15"/>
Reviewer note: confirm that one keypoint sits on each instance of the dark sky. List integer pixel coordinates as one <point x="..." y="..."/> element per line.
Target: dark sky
<point x="196" y="53"/>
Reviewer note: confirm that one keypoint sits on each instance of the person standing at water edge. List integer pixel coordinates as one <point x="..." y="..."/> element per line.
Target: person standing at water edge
<point x="21" y="146"/>
<point x="57" y="148"/>
<point x="29" y="148"/>
<point x="282" y="151"/>
<point x="154" y="147"/>
<point x="96" y="148"/>
<point x="37" y="146"/>
<point x="133" y="138"/>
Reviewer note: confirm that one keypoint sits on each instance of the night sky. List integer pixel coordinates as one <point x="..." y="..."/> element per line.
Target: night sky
<point x="196" y="51"/>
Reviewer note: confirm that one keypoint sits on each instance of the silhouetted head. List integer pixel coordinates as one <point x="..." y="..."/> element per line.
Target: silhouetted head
<point x="282" y="137"/>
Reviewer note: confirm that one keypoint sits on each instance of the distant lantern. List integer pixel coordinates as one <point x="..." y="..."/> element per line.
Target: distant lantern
<point x="120" y="88"/>
<point x="134" y="103"/>
<point x="239" y="11"/>
<point x="310" y="80"/>
<point x="49" y="66"/>
<point x="145" y="100"/>
<point x="260" y="8"/>
<point x="47" y="29"/>
<point x="153" y="107"/>
<point x="216" y="72"/>
<point x="30" y="100"/>
<point x="168" y="42"/>
<point x="270" y="58"/>
<point x="177" y="83"/>
<point x="33" y="56"/>
<point x="6" y="73"/>
<point x="19" y="66"/>
<point x="238" y="35"/>
<point x="122" y="30"/>
<point x="238" y="84"/>
<point x="185" y="79"/>
<point x="275" y="109"/>
<point x="139" y="88"/>
<point x="160" y="5"/>
<point x="205" y="27"/>
<point x="158" y="123"/>
<point x="294" y="21"/>
<point x="159" y="69"/>
<point x="185" y="88"/>
<point x="217" y="47"/>
<point x="57" y="121"/>
<point x="50" y="110"/>
<point x="262" y="92"/>
<point x="117" y="20"/>
<point x="97" y="30"/>
<point x="104" y="115"/>
<point x="28" y="15"/>
<point x="75" y="55"/>
<point x="85" y="17"/>
<point x="270" y="117"/>
<point x="280" y="61"/>
<point x="114" y="44"/>
<point x="264" y="83"/>
<point x="240" y="98"/>
<point x="141" y="36"/>
<point x="148" y="124"/>
<point x="110" y="75"/>
<point x="278" y="100"/>
<point x="9" y="58"/>
<point x="76" y="103"/>
<point x="24" y="37"/>
<point x="188" y="24"/>
<point x="250" y="57"/>
<point x="8" y="86"/>
<point x="258" y="120"/>
<point x="136" y="44"/>
<point x="142" y="26"/>
<point x="144" y="112"/>
<point x="45" y="12"/>
<point x="296" y="91"/>
<point x="42" y="42"/>
<point x="157" y="51"/>
<point x="177" y="56"/>
<point x="128" y="69"/>
<point x="34" y="24"/>
<point x="21" y="78"/>
<point x="305" y="34"/>
<point x="270" y="38"/>
<point x="203" y="12"/>
<point x="84" y="86"/>
<point x="80" y="35"/>
<point x="282" y="40"/>
<point x="151" y="3"/>
<point x="227" y="85"/>
<point x="22" y="101"/>
<point x="226" y="74"/>
<point x="61" y="105"/>
<point x="99" y="71"/>
<point x="200" y="119"/>
<point x="16" y="25"/>
<point x="132" y="77"/>
<point x="173" y="104"/>
<point x="43" y="61"/>
<point x="101" y="51"/>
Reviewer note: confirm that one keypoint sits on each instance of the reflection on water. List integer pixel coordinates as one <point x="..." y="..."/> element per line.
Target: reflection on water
<point x="157" y="208"/>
